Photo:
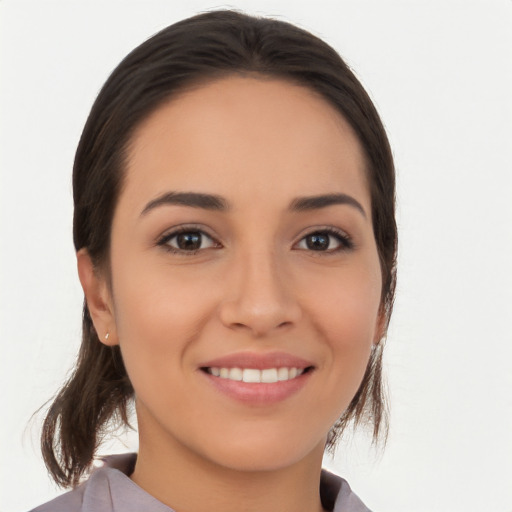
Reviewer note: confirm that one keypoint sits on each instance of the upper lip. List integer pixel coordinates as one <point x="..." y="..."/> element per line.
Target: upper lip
<point x="259" y="361"/>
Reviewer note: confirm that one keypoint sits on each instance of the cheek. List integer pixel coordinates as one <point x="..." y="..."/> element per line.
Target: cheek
<point x="344" y="310"/>
<point x="159" y="313"/>
<point x="345" y="305"/>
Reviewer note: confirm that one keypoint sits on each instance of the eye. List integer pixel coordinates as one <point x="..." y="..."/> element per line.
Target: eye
<point x="187" y="241"/>
<point x="326" y="240"/>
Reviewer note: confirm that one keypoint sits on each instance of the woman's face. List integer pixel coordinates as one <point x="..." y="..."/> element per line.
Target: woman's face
<point x="242" y="248"/>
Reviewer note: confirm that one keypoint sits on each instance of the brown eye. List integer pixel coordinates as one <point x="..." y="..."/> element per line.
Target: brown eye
<point x="187" y="241"/>
<point x="326" y="241"/>
<point x="318" y="242"/>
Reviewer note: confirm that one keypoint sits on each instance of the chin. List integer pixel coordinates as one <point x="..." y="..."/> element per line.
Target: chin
<point x="264" y="453"/>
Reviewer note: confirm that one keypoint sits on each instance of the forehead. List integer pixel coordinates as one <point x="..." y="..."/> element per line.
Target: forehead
<point x="257" y="134"/>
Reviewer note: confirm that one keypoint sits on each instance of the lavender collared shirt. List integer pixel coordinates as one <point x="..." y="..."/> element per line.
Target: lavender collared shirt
<point x="109" y="489"/>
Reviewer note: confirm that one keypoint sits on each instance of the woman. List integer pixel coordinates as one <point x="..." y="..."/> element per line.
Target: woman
<point x="236" y="243"/>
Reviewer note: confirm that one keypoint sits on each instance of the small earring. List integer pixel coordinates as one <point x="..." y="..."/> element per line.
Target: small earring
<point x="107" y="335"/>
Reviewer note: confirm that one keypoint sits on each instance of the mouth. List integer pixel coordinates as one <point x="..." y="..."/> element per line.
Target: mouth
<point x="256" y="375"/>
<point x="258" y="379"/>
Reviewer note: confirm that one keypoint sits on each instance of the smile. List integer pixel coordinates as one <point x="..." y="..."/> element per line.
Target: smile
<point x="258" y="379"/>
<point x="255" y="375"/>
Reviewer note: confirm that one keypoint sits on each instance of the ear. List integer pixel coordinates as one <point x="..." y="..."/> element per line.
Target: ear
<point x="381" y="326"/>
<point x="98" y="298"/>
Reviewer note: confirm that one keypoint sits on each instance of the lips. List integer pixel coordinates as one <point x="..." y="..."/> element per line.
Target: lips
<point x="258" y="378"/>
<point x="258" y="361"/>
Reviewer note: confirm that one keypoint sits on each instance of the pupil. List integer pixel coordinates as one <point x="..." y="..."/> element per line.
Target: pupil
<point x="189" y="241"/>
<point x="318" y="242"/>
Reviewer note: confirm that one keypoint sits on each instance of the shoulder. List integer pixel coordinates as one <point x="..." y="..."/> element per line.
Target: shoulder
<point x="93" y="495"/>
<point x="108" y="489"/>
<point x="337" y="495"/>
<point x="96" y="493"/>
<point x="69" y="502"/>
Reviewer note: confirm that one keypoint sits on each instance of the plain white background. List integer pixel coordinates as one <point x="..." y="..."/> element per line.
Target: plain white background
<point x="440" y="73"/>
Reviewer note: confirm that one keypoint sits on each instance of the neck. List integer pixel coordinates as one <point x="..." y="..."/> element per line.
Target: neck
<point x="187" y="482"/>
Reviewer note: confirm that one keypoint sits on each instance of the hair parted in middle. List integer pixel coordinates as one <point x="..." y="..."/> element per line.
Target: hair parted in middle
<point x="184" y="55"/>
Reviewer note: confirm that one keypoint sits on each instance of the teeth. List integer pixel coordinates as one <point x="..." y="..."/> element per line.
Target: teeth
<point x="269" y="375"/>
<point x="283" y="374"/>
<point x="235" y="374"/>
<point x="253" y="375"/>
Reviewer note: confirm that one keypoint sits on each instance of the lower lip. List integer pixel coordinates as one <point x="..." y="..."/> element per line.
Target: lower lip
<point x="259" y="393"/>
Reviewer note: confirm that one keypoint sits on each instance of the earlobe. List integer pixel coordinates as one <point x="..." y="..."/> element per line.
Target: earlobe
<point x="381" y="327"/>
<point x="98" y="298"/>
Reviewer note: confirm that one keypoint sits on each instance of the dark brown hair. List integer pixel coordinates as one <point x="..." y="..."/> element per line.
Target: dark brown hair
<point x="192" y="51"/>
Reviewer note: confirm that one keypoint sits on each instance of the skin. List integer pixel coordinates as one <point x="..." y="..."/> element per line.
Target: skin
<point x="254" y="286"/>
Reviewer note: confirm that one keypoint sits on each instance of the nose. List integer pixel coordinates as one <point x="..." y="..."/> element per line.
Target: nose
<point x="259" y="298"/>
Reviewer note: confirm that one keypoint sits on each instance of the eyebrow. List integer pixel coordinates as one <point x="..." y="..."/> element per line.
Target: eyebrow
<point x="218" y="203"/>
<point x="301" y="204"/>
<point x="192" y="199"/>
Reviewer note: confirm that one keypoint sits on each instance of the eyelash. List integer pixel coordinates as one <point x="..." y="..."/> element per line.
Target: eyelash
<point x="166" y="238"/>
<point x="345" y="241"/>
